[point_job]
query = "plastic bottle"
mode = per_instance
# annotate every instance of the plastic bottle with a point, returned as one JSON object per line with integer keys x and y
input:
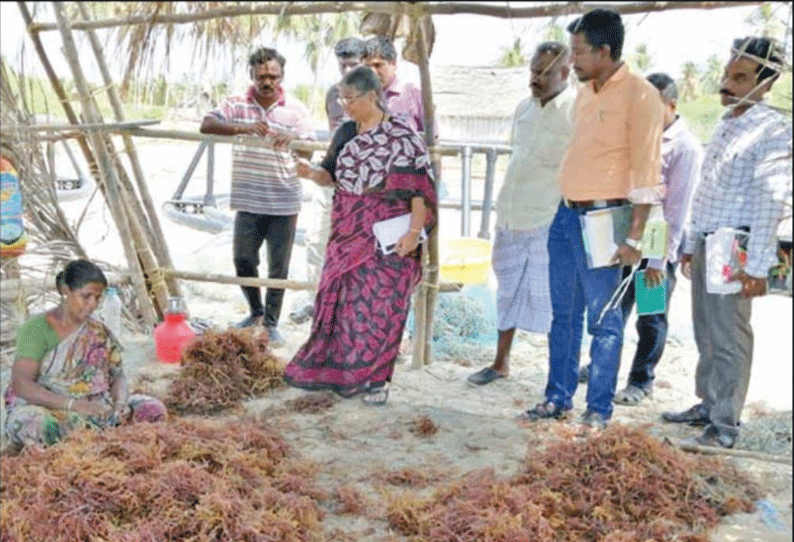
{"x": 173, "y": 334}
{"x": 110, "y": 313}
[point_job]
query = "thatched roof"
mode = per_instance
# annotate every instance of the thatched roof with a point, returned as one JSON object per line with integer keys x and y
{"x": 478, "y": 91}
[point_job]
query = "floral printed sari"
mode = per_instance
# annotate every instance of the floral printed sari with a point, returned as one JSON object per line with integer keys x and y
{"x": 83, "y": 366}
{"x": 364, "y": 296}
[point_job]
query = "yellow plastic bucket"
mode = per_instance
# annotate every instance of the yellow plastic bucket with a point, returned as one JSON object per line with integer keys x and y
{"x": 465, "y": 259}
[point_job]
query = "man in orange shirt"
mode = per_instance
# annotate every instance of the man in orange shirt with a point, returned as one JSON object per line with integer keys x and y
{"x": 613, "y": 159}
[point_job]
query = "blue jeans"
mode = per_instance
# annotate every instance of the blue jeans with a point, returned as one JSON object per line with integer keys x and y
{"x": 651, "y": 333}
{"x": 574, "y": 287}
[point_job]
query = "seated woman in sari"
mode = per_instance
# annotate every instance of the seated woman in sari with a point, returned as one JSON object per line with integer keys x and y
{"x": 67, "y": 373}
{"x": 380, "y": 169}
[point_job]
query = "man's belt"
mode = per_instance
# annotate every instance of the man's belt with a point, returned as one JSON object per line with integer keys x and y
{"x": 585, "y": 205}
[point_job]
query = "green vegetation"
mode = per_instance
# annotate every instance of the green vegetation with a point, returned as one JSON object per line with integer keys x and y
{"x": 703, "y": 113}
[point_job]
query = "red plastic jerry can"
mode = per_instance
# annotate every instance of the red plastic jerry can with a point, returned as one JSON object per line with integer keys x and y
{"x": 173, "y": 334}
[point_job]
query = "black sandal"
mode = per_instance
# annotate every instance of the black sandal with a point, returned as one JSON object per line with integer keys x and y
{"x": 543, "y": 411}
{"x": 376, "y": 396}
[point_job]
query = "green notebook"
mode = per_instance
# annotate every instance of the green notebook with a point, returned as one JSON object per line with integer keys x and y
{"x": 649, "y": 300}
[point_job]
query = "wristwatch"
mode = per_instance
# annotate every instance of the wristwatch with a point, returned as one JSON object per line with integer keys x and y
{"x": 636, "y": 244}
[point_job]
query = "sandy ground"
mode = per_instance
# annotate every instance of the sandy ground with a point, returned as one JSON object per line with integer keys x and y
{"x": 352, "y": 443}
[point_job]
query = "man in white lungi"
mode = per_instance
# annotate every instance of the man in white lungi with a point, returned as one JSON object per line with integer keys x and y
{"x": 527, "y": 201}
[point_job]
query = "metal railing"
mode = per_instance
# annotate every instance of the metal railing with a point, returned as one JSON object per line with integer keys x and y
{"x": 466, "y": 204}
{"x": 466, "y": 151}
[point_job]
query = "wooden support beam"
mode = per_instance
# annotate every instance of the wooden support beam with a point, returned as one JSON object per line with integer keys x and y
{"x": 83, "y": 127}
{"x": 504, "y": 10}
{"x": 430, "y": 286}
{"x": 287, "y": 284}
{"x": 145, "y": 208}
{"x": 108, "y": 173}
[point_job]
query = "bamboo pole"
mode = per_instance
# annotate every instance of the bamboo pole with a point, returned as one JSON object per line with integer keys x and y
{"x": 108, "y": 174}
{"x": 748, "y": 454}
{"x": 152, "y": 222}
{"x": 112, "y": 126}
{"x": 286, "y": 284}
{"x": 395, "y": 8}
{"x": 423, "y": 348}
{"x": 58, "y": 88}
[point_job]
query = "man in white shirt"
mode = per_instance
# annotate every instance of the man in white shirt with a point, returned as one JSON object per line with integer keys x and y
{"x": 745, "y": 185}
{"x": 527, "y": 201}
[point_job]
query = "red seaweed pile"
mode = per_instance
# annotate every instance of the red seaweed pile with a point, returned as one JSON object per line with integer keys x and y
{"x": 188, "y": 480}
{"x": 619, "y": 486}
{"x": 221, "y": 369}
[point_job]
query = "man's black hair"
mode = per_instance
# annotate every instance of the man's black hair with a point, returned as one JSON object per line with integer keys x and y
{"x": 601, "y": 27}
{"x": 266, "y": 54}
{"x": 380, "y": 46}
{"x": 767, "y": 52}
{"x": 665, "y": 85}
{"x": 349, "y": 48}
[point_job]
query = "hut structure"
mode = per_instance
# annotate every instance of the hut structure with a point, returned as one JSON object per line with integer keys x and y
{"x": 458, "y": 92}
{"x": 150, "y": 276}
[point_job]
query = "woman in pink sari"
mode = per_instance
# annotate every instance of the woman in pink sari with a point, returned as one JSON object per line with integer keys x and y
{"x": 67, "y": 373}
{"x": 380, "y": 169}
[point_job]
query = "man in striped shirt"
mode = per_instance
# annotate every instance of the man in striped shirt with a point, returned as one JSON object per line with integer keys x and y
{"x": 265, "y": 189}
{"x": 745, "y": 185}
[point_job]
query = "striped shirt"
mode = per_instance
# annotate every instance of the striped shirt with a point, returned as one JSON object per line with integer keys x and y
{"x": 264, "y": 180}
{"x": 746, "y": 181}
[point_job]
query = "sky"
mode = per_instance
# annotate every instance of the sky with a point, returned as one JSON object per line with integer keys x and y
{"x": 672, "y": 37}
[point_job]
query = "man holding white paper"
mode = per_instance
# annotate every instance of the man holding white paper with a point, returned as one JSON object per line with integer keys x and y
{"x": 613, "y": 160}
{"x": 682, "y": 156}
{"x": 745, "y": 185}
{"x": 542, "y": 127}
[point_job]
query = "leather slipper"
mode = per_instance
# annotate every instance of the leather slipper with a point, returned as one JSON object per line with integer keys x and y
{"x": 484, "y": 376}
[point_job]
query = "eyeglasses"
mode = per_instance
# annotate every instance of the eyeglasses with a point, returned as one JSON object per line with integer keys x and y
{"x": 347, "y": 101}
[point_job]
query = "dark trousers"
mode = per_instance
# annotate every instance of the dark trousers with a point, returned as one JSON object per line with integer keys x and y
{"x": 250, "y": 232}
{"x": 651, "y": 332}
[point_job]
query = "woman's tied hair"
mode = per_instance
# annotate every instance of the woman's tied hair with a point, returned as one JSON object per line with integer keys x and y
{"x": 768, "y": 52}
{"x": 364, "y": 80}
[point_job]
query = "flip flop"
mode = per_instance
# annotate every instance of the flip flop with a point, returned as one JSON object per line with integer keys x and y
{"x": 631, "y": 396}
{"x": 376, "y": 396}
{"x": 484, "y": 376}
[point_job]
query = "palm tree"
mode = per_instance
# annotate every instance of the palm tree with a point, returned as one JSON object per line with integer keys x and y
{"x": 513, "y": 56}
{"x": 766, "y": 21}
{"x": 689, "y": 82}
{"x": 554, "y": 32}
{"x": 641, "y": 59}
{"x": 320, "y": 32}
{"x": 139, "y": 43}
{"x": 712, "y": 75}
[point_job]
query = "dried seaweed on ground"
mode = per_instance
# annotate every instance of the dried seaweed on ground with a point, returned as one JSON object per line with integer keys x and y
{"x": 311, "y": 403}
{"x": 619, "y": 486}
{"x": 187, "y": 480}
{"x": 424, "y": 427}
{"x": 350, "y": 500}
{"x": 221, "y": 369}
{"x": 410, "y": 477}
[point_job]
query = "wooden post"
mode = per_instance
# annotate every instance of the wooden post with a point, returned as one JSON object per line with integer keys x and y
{"x": 108, "y": 173}
{"x": 428, "y": 293}
{"x": 160, "y": 247}
{"x": 58, "y": 88}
